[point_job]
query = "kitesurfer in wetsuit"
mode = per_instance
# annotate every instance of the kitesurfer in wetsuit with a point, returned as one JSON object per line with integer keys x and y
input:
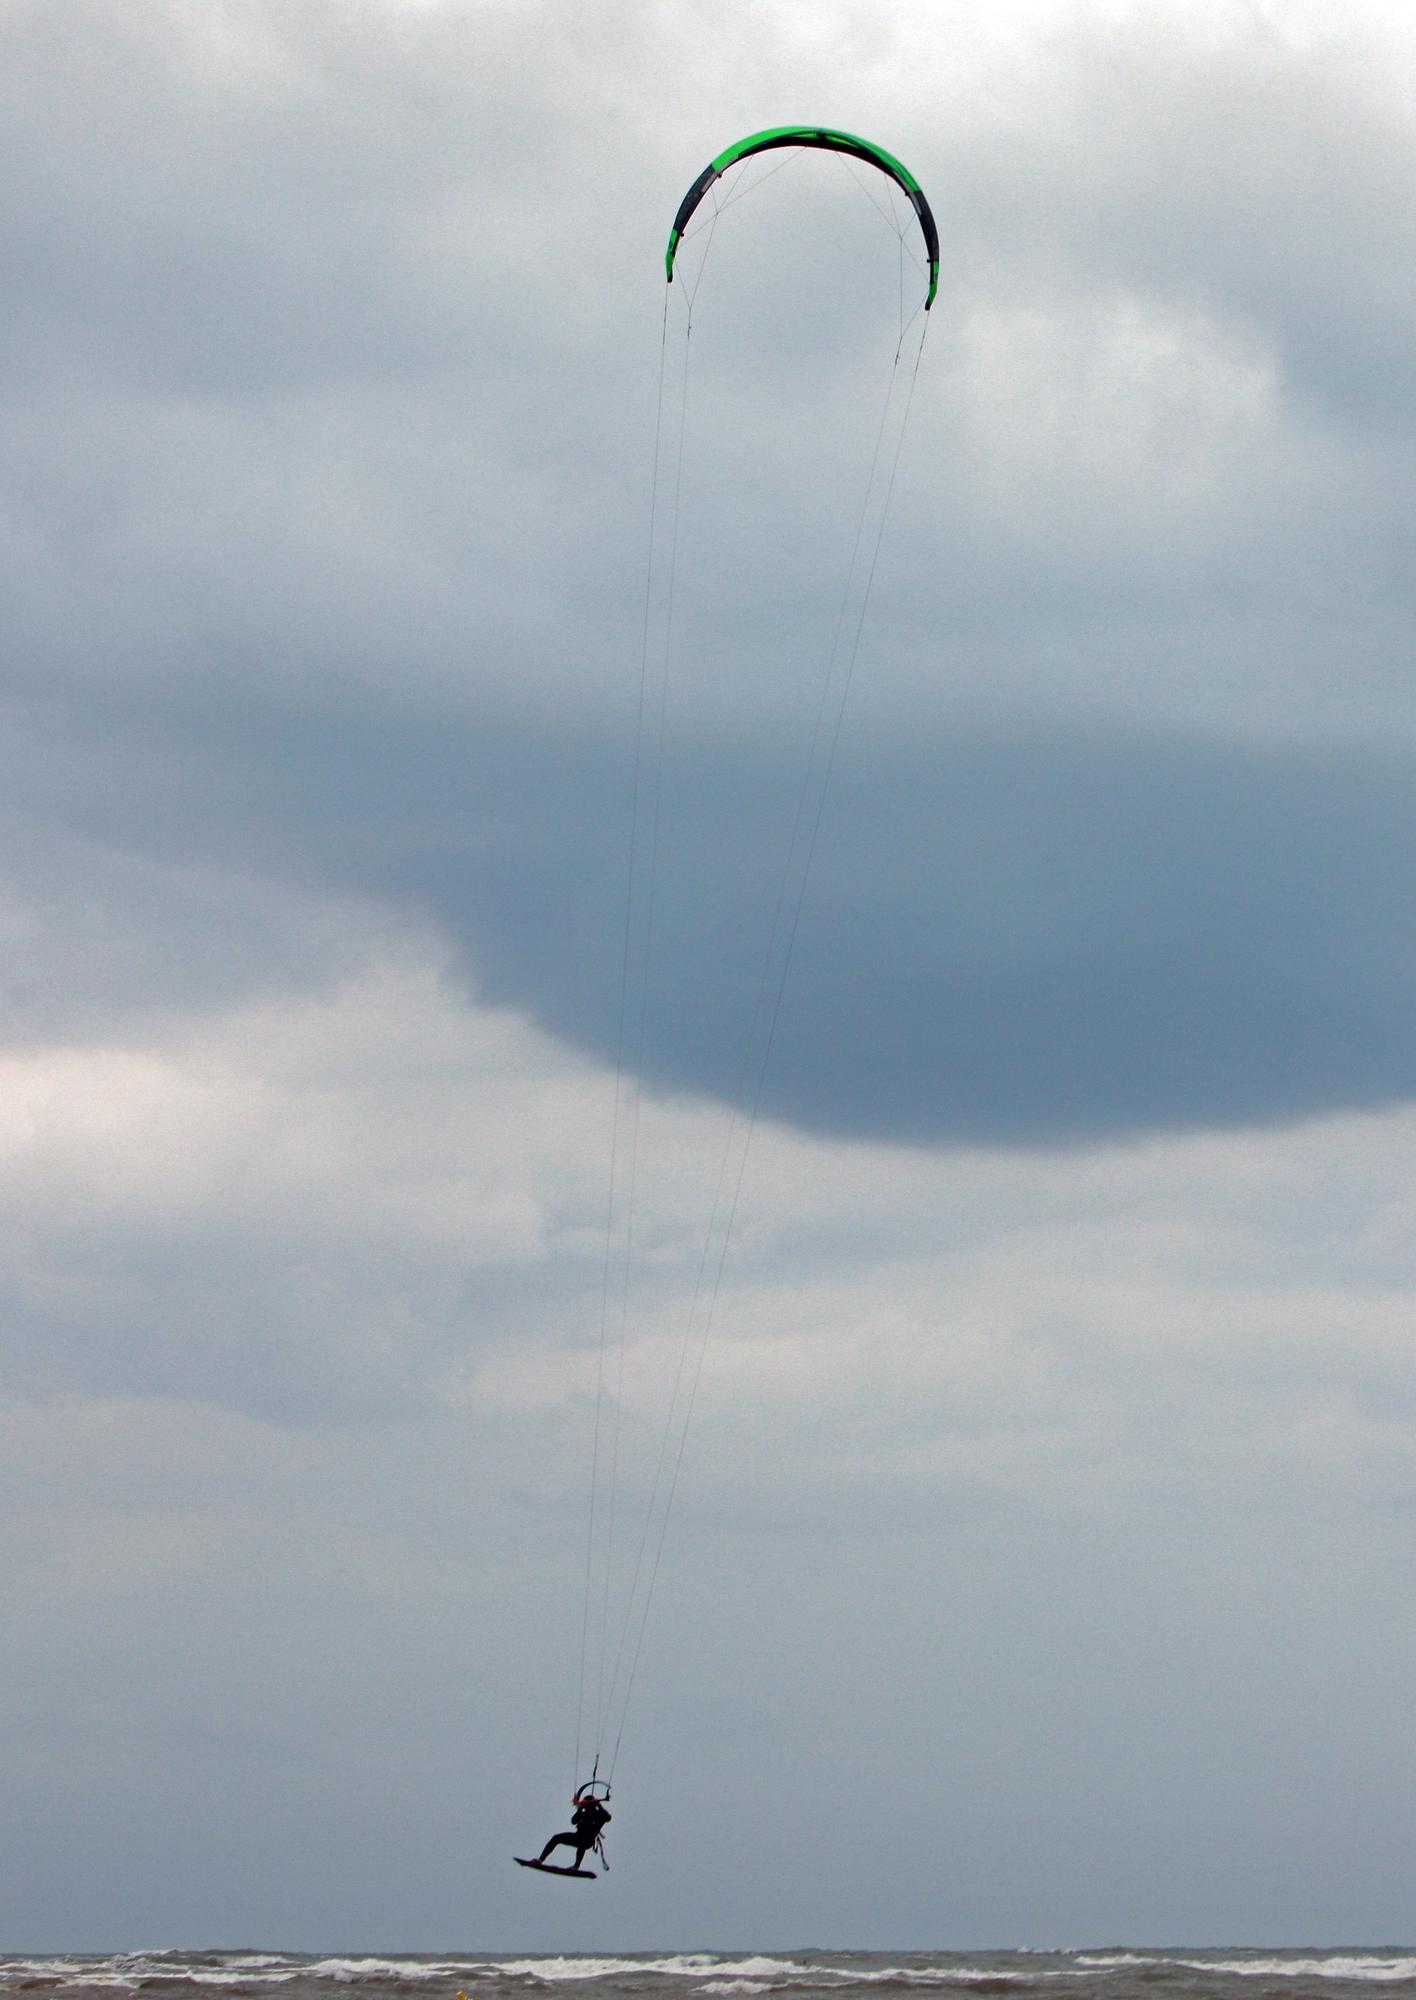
{"x": 589, "y": 1821}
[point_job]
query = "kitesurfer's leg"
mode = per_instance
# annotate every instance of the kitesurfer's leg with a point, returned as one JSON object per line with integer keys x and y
{"x": 562, "y": 1840}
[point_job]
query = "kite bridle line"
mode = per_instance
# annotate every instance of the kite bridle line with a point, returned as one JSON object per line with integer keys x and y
{"x": 654, "y": 668}
{"x": 791, "y": 895}
{"x": 618, "y": 1112}
{"x": 614, "y": 1693}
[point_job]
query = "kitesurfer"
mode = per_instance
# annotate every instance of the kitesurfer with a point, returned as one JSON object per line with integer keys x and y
{"x": 588, "y": 1822}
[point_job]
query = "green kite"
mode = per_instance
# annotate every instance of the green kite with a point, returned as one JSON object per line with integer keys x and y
{"x": 829, "y": 141}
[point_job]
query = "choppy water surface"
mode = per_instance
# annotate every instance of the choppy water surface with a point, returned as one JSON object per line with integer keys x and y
{"x": 806, "y": 1975}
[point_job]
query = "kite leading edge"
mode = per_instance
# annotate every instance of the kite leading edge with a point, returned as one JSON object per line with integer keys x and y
{"x": 828, "y": 140}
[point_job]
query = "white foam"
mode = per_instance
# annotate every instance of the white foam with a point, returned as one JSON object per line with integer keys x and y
{"x": 345, "y": 1970}
{"x": 1338, "y": 1966}
{"x": 569, "y": 1968}
{"x": 51, "y": 1967}
{"x": 233, "y": 1977}
{"x": 766, "y": 1968}
{"x": 130, "y": 1972}
{"x": 757, "y": 1974}
{"x": 955, "y": 1974}
{"x": 1335, "y": 1965}
{"x": 938, "y": 1975}
{"x": 684, "y": 1965}
{"x": 229, "y": 1975}
{"x": 133, "y": 1974}
{"x": 127, "y": 1972}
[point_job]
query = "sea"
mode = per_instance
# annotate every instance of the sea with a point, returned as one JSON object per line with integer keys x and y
{"x": 1117, "y": 1974}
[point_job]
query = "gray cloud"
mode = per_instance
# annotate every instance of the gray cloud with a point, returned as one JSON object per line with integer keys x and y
{"x": 1045, "y": 937}
{"x": 1020, "y": 941}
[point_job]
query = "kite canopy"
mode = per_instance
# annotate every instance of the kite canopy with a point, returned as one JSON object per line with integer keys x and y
{"x": 828, "y": 141}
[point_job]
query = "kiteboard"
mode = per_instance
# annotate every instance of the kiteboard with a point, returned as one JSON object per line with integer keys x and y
{"x": 549, "y": 1868}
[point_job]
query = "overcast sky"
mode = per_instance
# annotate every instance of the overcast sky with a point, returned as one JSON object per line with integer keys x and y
{"x": 1041, "y": 1570}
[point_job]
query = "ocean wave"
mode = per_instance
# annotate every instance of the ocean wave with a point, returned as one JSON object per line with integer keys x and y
{"x": 1337, "y": 1966}
{"x": 756, "y": 1974}
{"x": 250, "y": 1972}
{"x": 814, "y": 1975}
{"x": 344, "y": 1971}
{"x": 683, "y": 1965}
{"x": 992, "y": 1978}
{"x": 131, "y": 1971}
{"x": 140, "y": 1971}
{"x": 273, "y": 1973}
{"x": 49, "y": 1967}
{"x": 1371, "y": 1966}
{"x": 759, "y": 1974}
